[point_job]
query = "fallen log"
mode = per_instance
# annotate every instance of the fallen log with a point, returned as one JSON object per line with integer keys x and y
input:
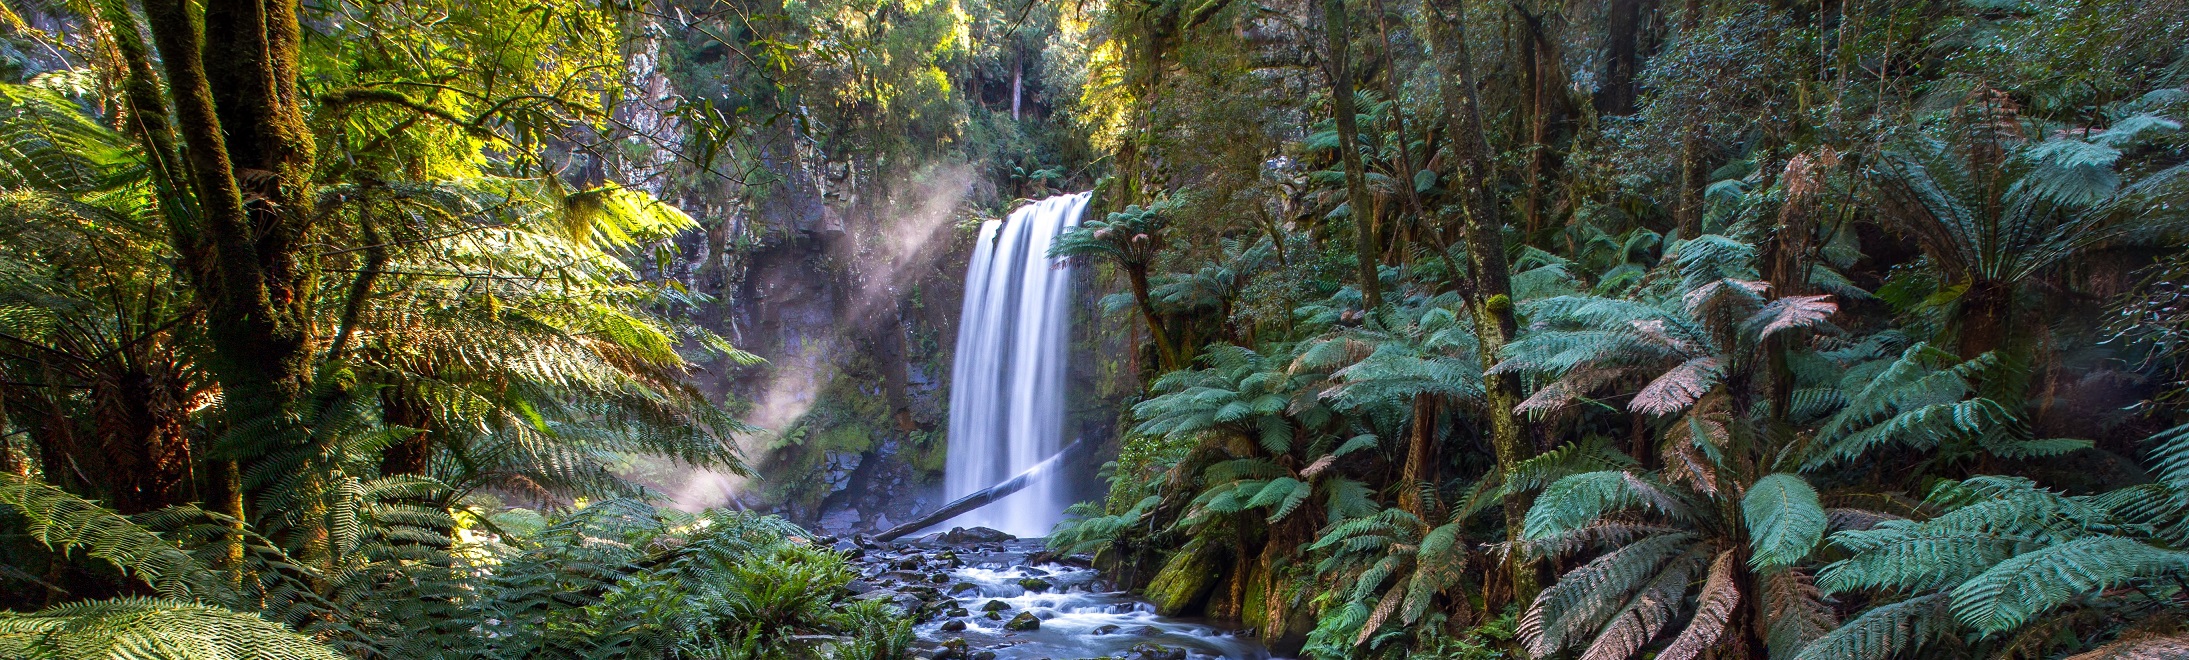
{"x": 979, "y": 498}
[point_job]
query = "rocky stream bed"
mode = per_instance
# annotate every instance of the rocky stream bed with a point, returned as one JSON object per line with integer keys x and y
{"x": 980, "y": 594}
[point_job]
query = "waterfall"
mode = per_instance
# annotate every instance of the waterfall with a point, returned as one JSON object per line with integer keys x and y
{"x": 1007, "y": 382}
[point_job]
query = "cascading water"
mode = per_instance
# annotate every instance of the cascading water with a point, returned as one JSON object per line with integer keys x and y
{"x": 1007, "y": 382}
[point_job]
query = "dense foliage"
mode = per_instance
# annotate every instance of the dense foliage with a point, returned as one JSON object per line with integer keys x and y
{"x": 1695, "y": 329}
{"x": 299, "y": 303}
{"x": 1607, "y": 330}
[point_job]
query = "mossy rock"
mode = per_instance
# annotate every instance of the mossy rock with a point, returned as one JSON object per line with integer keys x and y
{"x": 1184, "y": 581}
{"x": 1023, "y": 622}
{"x": 1034, "y": 584}
{"x": 995, "y": 606}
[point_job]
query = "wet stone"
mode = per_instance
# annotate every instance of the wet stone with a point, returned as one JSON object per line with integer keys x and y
{"x": 953, "y": 625}
{"x": 995, "y": 606}
{"x": 1034, "y": 584}
{"x": 1023, "y": 622}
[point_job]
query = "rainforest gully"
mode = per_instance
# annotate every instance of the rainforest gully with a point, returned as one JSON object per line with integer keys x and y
{"x": 1079, "y": 329}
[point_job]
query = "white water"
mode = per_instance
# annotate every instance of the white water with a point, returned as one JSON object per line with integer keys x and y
{"x": 1007, "y": 382}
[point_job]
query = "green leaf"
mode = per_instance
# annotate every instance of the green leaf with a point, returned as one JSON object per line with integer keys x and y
{"x": 1785, "y": 521}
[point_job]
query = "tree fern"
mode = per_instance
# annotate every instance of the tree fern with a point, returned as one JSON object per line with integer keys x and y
{"x": 150, "y": 629}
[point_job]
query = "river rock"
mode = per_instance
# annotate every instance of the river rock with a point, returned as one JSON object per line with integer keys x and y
{"x": 961, "y": 535}
{"x": 1023, "y": 622}
{"x": 1106, "y": 629}
{"x": 953, "y": 625}
{"x": 1155, "y": 652}
{"x": 995, "y": 606}
{"x": 951, "y": 649}
{"x": 1034, "y": 584}
{"x": 983, "y": 655}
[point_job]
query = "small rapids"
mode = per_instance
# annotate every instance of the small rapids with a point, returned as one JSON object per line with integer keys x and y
{"x": 984, "y": 587}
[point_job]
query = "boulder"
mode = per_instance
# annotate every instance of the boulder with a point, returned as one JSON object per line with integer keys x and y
{"x": 1154, "y": 652}
{"x": 1184, "y": 581}
{"x": 953, "y": 625}
{"x": 1023, "y": 622}
{"x": 1034, "y": 584}
{"x": 995, "y": 606}
{"x": 976, "y": 535}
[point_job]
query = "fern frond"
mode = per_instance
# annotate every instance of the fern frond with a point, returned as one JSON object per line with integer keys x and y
{"x": 2030, "y": 584}
{"x": 64, "y": 522}
{"x": 1785, "y": 520}
{"x": 150, "y": 629}
{"x": 1713, "y": 609}
{"x": 1884, "y": 632}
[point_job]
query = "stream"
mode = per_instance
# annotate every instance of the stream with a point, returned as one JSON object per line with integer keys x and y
{"x": 981, "y": 595}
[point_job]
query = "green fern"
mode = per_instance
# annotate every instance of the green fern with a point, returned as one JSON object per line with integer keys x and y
{"x": 150, "y": 629}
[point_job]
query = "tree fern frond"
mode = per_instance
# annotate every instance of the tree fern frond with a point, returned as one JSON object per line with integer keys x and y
{"x": 1585, "y": 597}
{"x": 2030, "y": 584}
{"x": 1646, "y": 614}
{"x": 150, "y": 629}
{"x": 1785, "y": 520}
{"x": 1713, "y": 609}
{"x": 65, "y": 522}
{"x": 1884, "y": 632}
{"x": 1794, "y": 611}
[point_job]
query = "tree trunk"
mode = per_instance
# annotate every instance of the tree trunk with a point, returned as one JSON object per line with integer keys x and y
{"x": 1491, "y": 298}
{"x": 1366, "y": 242}
{"x": 1984, "y": 318}
{"x": 138, "y": 418}
{"x": 243, "y": 262}
{"x": 414, "y": 454}
{"x": 1164, "y": 351}
{"x": 1688, "y": 209}
{"x": 1622, "y": 56}
{"x": 1420, "y": 472}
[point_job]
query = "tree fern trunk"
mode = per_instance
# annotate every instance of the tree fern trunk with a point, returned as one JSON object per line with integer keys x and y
{"x": 1421, "y": 459}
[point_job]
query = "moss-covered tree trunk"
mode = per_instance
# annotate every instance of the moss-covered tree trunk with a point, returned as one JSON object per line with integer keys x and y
{"x": 1367, "y": 244}
{"x": 241, "y": 126}
{"x": 1490, "y": 298}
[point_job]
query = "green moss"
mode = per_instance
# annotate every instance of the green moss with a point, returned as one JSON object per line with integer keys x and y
{"x": 1185, "y": 579}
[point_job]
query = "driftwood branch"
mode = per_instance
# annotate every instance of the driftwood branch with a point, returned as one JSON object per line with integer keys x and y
{"x": 981, "y": 497}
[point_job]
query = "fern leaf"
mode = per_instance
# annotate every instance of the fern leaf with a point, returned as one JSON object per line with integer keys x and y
{"x": 1720, "y": 596}
{"x": 1785, "y": 520}
{"x": 63, "y": 521}
{"x": 151, "y": 629}
{"x": 2030, "y": 584}
{"x": 1884, "y": 632}
{"x": 1795, "y": 611}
